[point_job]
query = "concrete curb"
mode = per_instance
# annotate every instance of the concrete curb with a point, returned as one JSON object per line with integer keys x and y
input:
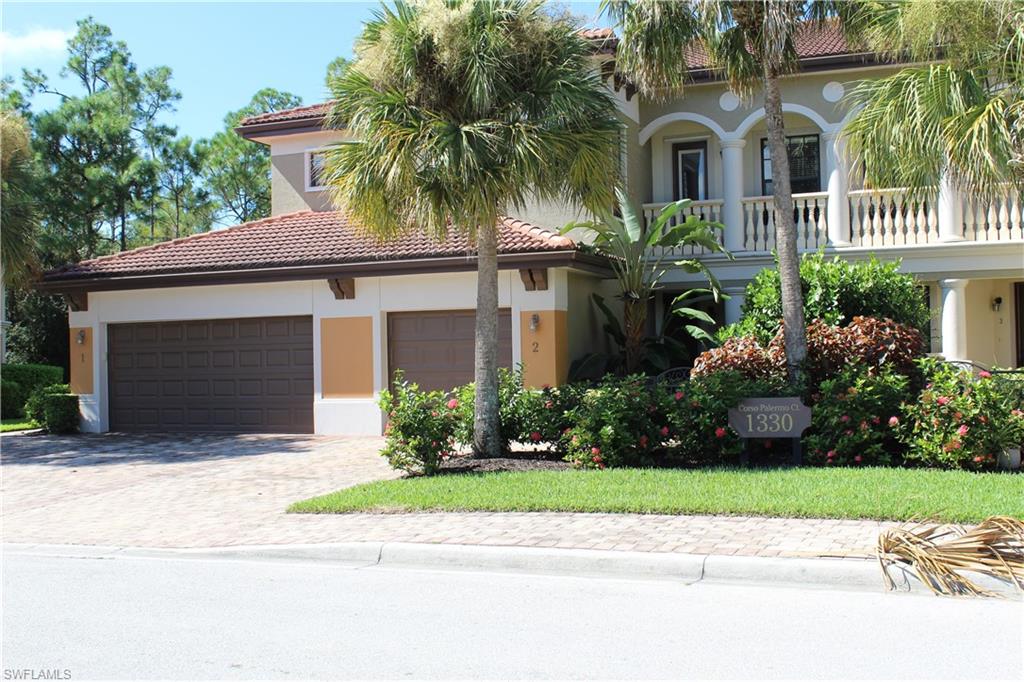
{"x": 846, "y": 574}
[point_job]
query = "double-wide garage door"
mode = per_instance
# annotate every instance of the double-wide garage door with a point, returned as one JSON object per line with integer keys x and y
{"x": 435, "y": 349}
{"x": 238, "y": 375}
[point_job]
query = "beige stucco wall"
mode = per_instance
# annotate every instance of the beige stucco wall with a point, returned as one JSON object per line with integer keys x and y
{"x": 991, "y": 335}
{"x": 288, "y": 186}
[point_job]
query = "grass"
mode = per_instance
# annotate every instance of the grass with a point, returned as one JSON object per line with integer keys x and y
{"x": 17, "y": 424}
{"x": 868, "y": 493}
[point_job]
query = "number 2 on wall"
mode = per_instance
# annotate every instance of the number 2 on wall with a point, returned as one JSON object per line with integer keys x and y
{"x": 536, "y": 346}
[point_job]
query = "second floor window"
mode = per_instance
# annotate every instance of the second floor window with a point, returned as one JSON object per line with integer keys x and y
{"x": 804, "y": 164}
{"x": 315, "y": 171}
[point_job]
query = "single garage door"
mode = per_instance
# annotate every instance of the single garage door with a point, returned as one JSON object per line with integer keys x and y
{"x": 435, "y": 349}
{"x": 244, "y": 375}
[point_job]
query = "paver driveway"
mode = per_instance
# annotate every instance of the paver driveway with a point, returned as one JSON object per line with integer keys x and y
{"x": 173, "y": 490}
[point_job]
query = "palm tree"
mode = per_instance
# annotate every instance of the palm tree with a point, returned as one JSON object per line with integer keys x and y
{"x": 961, "y": 116}
{"x": 751, "y": 45}
{"x": 18, "y": 216}
{"x": 463, "y": 111}
{"x": 637, "y": 253}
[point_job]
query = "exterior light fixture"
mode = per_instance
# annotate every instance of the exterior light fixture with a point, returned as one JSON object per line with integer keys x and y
{"x": 534, "y": 322}
{"x": 997, "y": 303}
{"x": 80, "y": 337}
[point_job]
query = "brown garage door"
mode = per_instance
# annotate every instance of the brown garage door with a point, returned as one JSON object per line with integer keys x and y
{"x": 435, "y": 348}
{"x": 253, "y": 374}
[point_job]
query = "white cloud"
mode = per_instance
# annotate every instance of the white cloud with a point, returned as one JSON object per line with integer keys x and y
{"x": 39, "y": 42}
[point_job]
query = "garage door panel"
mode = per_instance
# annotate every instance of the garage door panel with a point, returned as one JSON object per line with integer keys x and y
{"x": 435, "y": 349}
{"x": 220, "y": 375}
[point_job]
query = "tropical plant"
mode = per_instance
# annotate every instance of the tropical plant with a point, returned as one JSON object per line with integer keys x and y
{"x": 960, "y": 114}
{"x": 751, "y": 45}
{"x": 19, "y": 215}
{"x": 637, "y": 253}
{"x": 461, "y": 111}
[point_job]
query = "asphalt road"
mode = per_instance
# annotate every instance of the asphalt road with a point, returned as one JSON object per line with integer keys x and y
{"x": 219, "y": 618}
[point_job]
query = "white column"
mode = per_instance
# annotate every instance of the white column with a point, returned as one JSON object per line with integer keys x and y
{"x": 838, "y": 214}
{"x": 954, "y": 319}
{"x": 732, "y": 193}
{"x": 950, "y": 212}
{"x": 734, "y": 304}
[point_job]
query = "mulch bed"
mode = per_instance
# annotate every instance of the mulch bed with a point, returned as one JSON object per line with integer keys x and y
{"x": 525, "y": 460}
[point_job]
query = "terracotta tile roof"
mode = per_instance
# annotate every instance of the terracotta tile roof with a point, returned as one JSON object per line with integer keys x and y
{"x": 310, "y": 111}
{"x": 303, "y": 238}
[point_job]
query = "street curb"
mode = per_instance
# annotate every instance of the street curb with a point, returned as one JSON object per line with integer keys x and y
{"x": 829, "y": 573}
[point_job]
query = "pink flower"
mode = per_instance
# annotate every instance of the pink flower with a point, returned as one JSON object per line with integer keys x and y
{"x": 643, "y": 441}
{"x": 595, "y": 451}
{"x": 1017, "y": 413}
{"x": 978, "y": 460}
{"x": 942, "y": 400}
{"x": 535, "y": 436}
{"x": 830, "y": 454}
{"x": 433, "y": 413}
{"x": 858, "y": 459}
{"x": 876, "y": 420}
{"x": 548, "y": 405}
{"x": 679, "y": 395}
{"x": 845, "y": 418}
{"x": 849, "y": 432}
{"x": 664, "y": 430}
{"x": 452, "y": 404}
{"x": 863, "y": 426}
{"x": 719, "y": 432}
{"x": 894, "y": 421}
{"x": 984, "y": 375}
{"x": 962, "y": 430}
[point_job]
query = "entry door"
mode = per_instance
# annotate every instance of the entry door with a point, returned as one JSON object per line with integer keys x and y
{"x": 691, "y": 170}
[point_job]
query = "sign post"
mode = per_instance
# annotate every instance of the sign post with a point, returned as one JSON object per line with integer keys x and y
{"x": 771, "y": 418}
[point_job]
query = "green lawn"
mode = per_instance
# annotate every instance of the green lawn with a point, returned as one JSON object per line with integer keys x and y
{"x": 872, "y": 493}
{"x": 16, "y": 424}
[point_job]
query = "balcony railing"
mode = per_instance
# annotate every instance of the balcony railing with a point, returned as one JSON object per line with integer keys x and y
{"x": 877, "y": 218}
{"x": 708, "y": 210}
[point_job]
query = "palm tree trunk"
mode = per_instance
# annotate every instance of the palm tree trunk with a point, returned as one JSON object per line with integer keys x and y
{"x": 486, "y": 427}
{"x": 634, "y": 317}
{"x": 794, "y": 332}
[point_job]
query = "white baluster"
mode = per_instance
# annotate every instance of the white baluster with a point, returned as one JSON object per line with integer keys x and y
{"x": 855, "y": 219}
{"x": 980, "y": 228}
{"x": 1004, "y": 217}
{"x": 1016, "y": 229}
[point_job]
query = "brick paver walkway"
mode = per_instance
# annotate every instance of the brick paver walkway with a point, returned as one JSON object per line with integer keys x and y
{"x": 209, "y": 491}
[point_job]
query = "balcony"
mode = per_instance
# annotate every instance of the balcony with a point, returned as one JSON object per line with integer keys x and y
{"x": 865, "y": 219}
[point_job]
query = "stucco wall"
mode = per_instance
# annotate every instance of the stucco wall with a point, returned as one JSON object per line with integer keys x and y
{"x": 991, "y": 335}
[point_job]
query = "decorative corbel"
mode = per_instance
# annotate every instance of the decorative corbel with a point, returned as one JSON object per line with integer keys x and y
{"x": 343, "y": 287}
{"x": 535, "y": 279}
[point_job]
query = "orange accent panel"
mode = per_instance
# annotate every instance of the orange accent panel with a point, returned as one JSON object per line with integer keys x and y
{"x": 545, "y": 350}
{"x": 81, "y": 361}
{"x": 346, "y": 355}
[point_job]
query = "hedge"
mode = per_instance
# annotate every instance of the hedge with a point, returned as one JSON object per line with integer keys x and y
{"x": 28, "y": 379}
{"x": 60, "y": 412}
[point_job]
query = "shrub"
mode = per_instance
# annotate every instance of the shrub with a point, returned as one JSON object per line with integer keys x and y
{"x": 20, "y": 380}
{"x": 865, "y": 341}
{"x": 511, "y": 399}
{"x": 420, "y": 432}
{"x": 960, "y": 421}
{"x": 60, "y": 412}
{"x": 619, "y": 422}
{"x": 699, "y": 416}
{"x": 12, "y": 399}
{"x": 34, "y": 404}
{"x": 835, "y": 291}
{"x": 851, "y": 420}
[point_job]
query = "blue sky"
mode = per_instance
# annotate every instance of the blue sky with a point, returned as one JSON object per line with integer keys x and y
{"x": 220, "y": 53}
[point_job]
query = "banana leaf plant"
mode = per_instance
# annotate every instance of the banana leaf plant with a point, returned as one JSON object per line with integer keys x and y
{"x": 640, "y": 254}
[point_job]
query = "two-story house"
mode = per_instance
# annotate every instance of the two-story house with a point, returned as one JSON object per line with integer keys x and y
{"x": 296, "y": 322}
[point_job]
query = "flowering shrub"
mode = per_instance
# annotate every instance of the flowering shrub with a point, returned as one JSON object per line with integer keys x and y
{"x": 619, "y": 422}
{"x": 960, "y": 421}
{"x": 699, "y": 417}
{"x": 743, "y": 355}
{"x": 420, "y": 432}
{"x": 853, "y": 418}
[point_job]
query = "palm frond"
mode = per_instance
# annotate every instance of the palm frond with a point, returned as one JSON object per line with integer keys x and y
{"x": 940, "y": 555}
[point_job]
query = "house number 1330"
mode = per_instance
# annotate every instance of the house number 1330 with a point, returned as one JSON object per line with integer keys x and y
{"x": 769, "y": 423}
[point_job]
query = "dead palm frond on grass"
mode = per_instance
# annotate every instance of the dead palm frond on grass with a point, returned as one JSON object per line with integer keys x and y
{"x": 940, "y": 554}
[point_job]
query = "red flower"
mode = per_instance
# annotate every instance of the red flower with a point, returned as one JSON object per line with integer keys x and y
{"x": 679, "y": 395}
{"x": 596, "y": 459}
{"x": 962, "y": 430}
{"x": 452, "y": 404}
{"x": 894, "y": 421}
{"x": 984, "y": 375}
{"x": 876, "y": 420}
{"x": 549, "y": 404}
{"x": 942, "y": 400}
{"x": 535, "y": 436}
{"x": 664, "y": 430}
{"x": 830, "y": 454}
{"x": 719, "y": 432}
{"x": 643, "y": 441}
{"x": 858, "y": 459}
{"x": 600, "y": 465}
{"x": 595, "y": 451}
{"x": 845, "y": 418}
